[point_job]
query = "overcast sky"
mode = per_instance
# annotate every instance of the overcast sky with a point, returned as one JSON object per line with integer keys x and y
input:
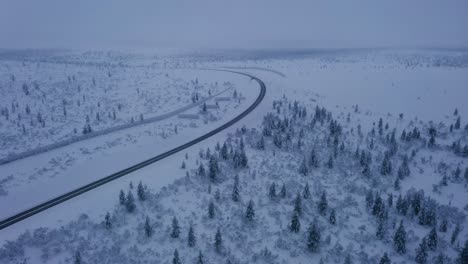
{"x": 232, "y": 24}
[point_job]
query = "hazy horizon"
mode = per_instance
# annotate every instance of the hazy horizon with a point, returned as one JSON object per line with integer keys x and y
{"x": 232, "y": 25}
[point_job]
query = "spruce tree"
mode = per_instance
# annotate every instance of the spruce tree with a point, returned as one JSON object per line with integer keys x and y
{"x": 313, "y": 159}
{"x": 332, "y": 218}
{"x": 176, "y": 258}
{"x": 250, "y": 212}
{"x": 141, "y": 192}
{"x": 148, "y": 228}
{"x": 385, "y": 259}
{"x": 439, "y": 259}
{"x": 323, "y": 203}
{"x": 330, "y": 162}
{"x": 399, "y": 240}
{"x": 282, "y": 193}
{"x": 272, "y": 191}
{"x": 122, "y": 197}
{"x": 200, "y": 258}
{"x": 201, "y": 170}
{"x": 191, "y": 238}
{"x": 464, "y": 254}
{"x": 77, "y": 257}
{"x": 303, "y": 170}
{"x": 130, "y": 202}
{"x": 175, "y": 230}
{"x": 313, "y": 238}
{"x": 432, "y": 239}
{"x": 455, "y": 233}
{"x": 421, "y": 252}
{"x": 306, "y": 193}
{"x": 224, "y": 151}
{"x": 108, "y": 221}
{"x": 214, "y": 169}
{"x": 381, "y": 229}
{"x": 295, "y": 223}
{"x": 369, "y": 199}
{"x": 218, "y": 241}
{"x": 235, "y": 189}
{"x": 298, "y": 205}
{"x": 211, "y": 210}
{"x": 386, "y": 167}
{"x": 443, "y": 226}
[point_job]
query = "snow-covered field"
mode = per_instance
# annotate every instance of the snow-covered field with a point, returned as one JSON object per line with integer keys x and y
{"x": 347, "y": 149}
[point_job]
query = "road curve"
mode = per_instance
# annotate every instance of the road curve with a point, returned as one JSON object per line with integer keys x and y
{"x": 67, "y": 196}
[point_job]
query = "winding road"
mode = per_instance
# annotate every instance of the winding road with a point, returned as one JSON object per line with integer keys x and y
{"x": 67, "y": 196}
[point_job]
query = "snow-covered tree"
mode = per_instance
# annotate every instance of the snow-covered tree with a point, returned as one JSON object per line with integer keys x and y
{"x": 191, "y": 238}
{"x": 323, "y": 203}
{"x": 141, "y": 192}
{"x": 176, "y": 258}
{"x": 148, "y": 228}
{"x": 332, "y": 218}
{"x": 432, "y": 239}
{"x": 77, "y": 259}
{"x": 399, "y": 240}
{"x": 295, "y": 225}
{"x": 421, "y": 252}
{"x": 272, "y": 191}
{"x": 175, "y": 228}
{"x": 283, "y": 193}
{"x": 211, "y": 210}
{"x": 107, "y": 221}
{"x": 385, "y": 259}
{"x": 122, "y": 197}
{"x": 130, "y": 202}
{"x": 386, "y": 167}
{"x": 250, "y": 212}
{"x": 298, "y": 205}
{"x": 306, "y": 192}
{"x": 218, "y": 241}
{"x": 313, "y": 238}
{"x": 235, "y": 189}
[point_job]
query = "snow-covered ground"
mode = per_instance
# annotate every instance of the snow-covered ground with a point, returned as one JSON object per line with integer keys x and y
{"x": 407, "y": 89}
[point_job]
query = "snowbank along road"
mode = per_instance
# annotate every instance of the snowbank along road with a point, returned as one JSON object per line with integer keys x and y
{"x": 48, "y": 204}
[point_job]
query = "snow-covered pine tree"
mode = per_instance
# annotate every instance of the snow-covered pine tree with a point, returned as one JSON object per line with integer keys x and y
{"x": 295, "y": 223}
{"x": 141, "y": 192}
{"x": 77, "y": 257}
{"x": 303, "y": 170}
{"x": 332, "y": 218}
{"x": 283, "y": 193}
{"x": 235, "y": 189}
{"x": 107, "y": 221}
{"x": 313, "y": 238}
{"x": 306, "y": 192}
{"x": 191, "y": 238}
{"x": 130, "y": 202}
{"x": 298, "y": 204}
{"x": 421, "y": 252}
{"x": 399, "y": 240}
{"x": 213, "y": 169}
{"x": 250, "y": 212}
{"x": 455, "y": 233}
{"x": 122, "y": 197}
{"x": 432, "y": 239}
{"x": 272, "y": 191}
{"x": 211, "y": 210}
{"x": 175, "y": 228}
{"x": 148, "y": 228}
{"x": 176, "y": 258}
{"x": 386, "y": 167}
{"x": 381, "y": 230}
{"x": 323, "y": 203}
{"x": 385, "y": 259}
{"x": 200, "y": 258}
{"x": 313, "y": 159}
{"x": 218, "y": 241}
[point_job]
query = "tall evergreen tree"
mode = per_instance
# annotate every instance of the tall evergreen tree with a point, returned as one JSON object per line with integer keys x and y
{"x": 386, "y": 167}
{"x": 295, "y": 223}
{"x": 130, "y": 202}
{"x": 175, "y": 230}
{"x": 332, "y": 218}
{"x": 455, "y": 233}
{"x": 191, "y": 238}
{"x": 148, "y": 228}
{"x": 381, "y": 230}
{"x": 218, "y": 241}
{"x": 141, "y": 192}
{"x": 306, "y": 193}
{"x": 235, "y": 189}
{"x": 421, "y": 252}
{"x": 200, "y": 258}
{"x": 211, "y": 210}
{"x": 214, "y": 169}
{"x": 77, "y": 257}
{"x": 313, "y": 159}
{"x": 313, "y": 238}
{"x": 298, "y": 205}
{"x": 464, "y": 254}
{"x": 250, "y": 212}
{"x": 122, "y": 197}
{"x": 385, "y": 259}
{"x": 432, "y": 239}
{"x": 107, "y": 221}
{"x": 201, "y": 170}
{"x": 303, "y": 170}
{"x": 176, "y": 258}
{"x": 330, "y": 162}
{"x": 399, "y": 240}
{"x": 323, "y": 203}
{"x": 283, "y": 193}
{"x": 272, "y": 191}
